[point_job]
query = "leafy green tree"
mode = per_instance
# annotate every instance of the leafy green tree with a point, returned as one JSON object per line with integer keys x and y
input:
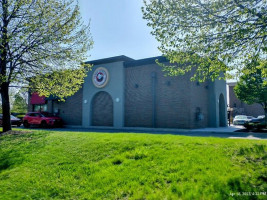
{"x": 204, "y": 68}
{"x": 231, "y": 31}
{"x": 19, "y": 104}
{"x": 39, "y": 37}
{"x": 252, "y": 85}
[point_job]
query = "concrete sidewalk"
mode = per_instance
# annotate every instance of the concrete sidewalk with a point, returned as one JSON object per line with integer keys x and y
{"x": 222, "y": 132}
{"x": 227, "y": 129}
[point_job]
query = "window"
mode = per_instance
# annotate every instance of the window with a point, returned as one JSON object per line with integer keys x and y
{"x": 40, "y": 108}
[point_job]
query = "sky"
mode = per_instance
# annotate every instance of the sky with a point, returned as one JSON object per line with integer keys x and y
{"x": 118, "y": 29}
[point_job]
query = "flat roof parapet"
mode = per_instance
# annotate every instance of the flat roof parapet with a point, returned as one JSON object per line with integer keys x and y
{"x": 145, "y": 61}
{"x": 110, "y": 60}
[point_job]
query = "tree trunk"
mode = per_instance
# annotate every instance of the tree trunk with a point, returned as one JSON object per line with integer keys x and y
{"x": 265, "y": 112}
{"x": 3, "y": 66}
{"x": 5, "y": 107}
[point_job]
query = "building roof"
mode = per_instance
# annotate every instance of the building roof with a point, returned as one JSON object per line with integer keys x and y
{"x": 145, "y": 61}
{"x": 110, "y": 60}
{"x": 128, "y": 62}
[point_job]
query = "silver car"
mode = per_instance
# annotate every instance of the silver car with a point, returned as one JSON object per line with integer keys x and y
{"x": 241, "y": 119}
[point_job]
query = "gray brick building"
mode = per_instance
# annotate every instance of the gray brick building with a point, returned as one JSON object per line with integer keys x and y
{"x": 123, "y": 92}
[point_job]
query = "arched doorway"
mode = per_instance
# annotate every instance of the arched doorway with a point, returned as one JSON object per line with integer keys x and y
{"x": 102, "y": 110}
{"x": 222, "y": 111}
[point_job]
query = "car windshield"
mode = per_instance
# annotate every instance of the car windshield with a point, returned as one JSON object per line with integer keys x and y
{"x": 46, "y": 114}
{"x": 13, "y": 117}
{"x": 240, "y": 117}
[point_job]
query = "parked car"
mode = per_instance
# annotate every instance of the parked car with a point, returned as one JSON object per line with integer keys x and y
{"x": 241, "y": 119}
{"x": 261, "y": 116}
{"x": 43, "y": 119}
{"x": 14, "y": 120}
{"x": 256, "y": 123}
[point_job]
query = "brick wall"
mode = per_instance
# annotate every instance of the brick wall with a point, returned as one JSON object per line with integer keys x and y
{"x": 241, "y": 107}
{"x": 138, "y": 97}
{"x": 71, "y": 110}
{"x": 173, "y": 100}
{"x": 102, "y": 110}
{"x": 199, "y": 104}
{"x": 162, "y": 101}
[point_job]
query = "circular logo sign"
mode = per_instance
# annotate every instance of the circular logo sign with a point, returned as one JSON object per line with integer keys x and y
{"x": 100, "y": 77}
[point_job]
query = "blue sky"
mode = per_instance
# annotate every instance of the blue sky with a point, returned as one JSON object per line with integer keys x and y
{"x": 117, "y": 29}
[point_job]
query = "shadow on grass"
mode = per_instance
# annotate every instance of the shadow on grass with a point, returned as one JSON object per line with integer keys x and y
{"x": 4, "y": 162}
{"x": 16, "y": 145}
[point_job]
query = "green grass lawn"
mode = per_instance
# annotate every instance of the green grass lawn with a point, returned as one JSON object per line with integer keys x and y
{"x": 76, "y": 165}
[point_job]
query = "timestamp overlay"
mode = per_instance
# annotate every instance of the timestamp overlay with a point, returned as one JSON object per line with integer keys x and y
{"x": 248, "y": 194}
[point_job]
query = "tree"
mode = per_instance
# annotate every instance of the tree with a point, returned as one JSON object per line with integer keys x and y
{"x": 252, "y": 85}
{"x": 39, "y": 37}
{"x": 227, "y": 30}
{"x": 19, "y": 104}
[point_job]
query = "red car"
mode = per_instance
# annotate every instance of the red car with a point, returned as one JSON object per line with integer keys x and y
{"x": 43, "y": 119}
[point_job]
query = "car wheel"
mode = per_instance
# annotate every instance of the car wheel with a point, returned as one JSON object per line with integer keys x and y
{"x": 248, "y": 127}
{"x": 18, "y": 125}
{"x": 258, "y": 127}
{"x": 43, "y": 124}
{"x": 26, "y": 124}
